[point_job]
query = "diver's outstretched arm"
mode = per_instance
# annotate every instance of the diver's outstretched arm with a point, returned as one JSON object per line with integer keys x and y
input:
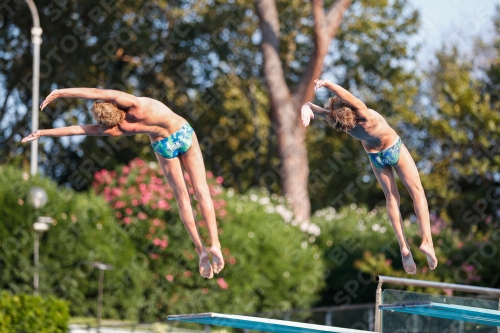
{"x": 90, "y": 130}
{"x": 308, "y": 110}
{"x": 357, "y": 104}
{"x": 123, "y": 100}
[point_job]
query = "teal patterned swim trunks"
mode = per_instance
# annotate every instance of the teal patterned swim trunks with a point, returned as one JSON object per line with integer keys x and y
{"x": 176, "y": 144}
{"x": 389, "y": 156}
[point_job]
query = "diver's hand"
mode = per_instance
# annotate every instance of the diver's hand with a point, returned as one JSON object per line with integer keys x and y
{"x": 320, "y": 83}
{"x": 33, "y": 136}
{"x": 306, "y": 114}
{"x": 55, "y": 94}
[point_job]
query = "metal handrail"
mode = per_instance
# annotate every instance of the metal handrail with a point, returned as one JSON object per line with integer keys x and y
{"x": 441, "y": 285}
{"x": 426, "y": 284}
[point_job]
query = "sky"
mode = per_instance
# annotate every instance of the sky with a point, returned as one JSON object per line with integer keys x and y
{"x": 453, "y": 20}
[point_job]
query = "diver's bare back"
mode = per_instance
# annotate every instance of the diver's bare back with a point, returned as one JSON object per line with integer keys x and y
{"x": 374, "y": 133}
{"x": 151, "y": 117}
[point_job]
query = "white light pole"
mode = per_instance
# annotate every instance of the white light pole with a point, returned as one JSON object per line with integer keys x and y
{"x": 38, "y": 198}
{"x": 41, "y": 225}
{"x": 102, "y": 267}
{"x": 36, "y": 40}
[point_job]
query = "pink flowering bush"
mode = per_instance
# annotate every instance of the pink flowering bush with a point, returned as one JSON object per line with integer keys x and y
{"x": 144, "y": 202}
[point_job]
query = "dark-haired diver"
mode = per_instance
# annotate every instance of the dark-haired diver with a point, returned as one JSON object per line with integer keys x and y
{"x": 386, "y": 151}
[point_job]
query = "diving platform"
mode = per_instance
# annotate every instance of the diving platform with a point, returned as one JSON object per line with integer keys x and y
{"x": 447, "y": 311}
{"x": 258, "y": 324}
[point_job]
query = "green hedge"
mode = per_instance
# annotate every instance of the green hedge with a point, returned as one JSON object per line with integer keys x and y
{"x": 25, "y": 313}
{"x": 85, "y": 232}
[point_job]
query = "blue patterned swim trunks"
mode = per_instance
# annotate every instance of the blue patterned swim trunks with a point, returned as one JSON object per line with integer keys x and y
{"x": 176, "y": 144}
{"x": 389, "y": 156}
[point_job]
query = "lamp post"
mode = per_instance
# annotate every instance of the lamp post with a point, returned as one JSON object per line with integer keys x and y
{"x": 36, "y": 40}
{"x": 102, "y": 267}
{"x": 41, "y": 225}
{"x": 38, "y": 198}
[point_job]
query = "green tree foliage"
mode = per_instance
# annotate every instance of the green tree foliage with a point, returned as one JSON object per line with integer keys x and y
{"x": 459, "y": 147}
{"x": 258, "y": 254}
{"x": 492, "y": 67}
{"x": 25, "y": 313}
{"x": 85, "y": 232}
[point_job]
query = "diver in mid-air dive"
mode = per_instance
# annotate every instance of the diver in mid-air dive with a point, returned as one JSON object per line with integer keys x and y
{"x": 386, "y": 151}
{"x": 174, "y": 142}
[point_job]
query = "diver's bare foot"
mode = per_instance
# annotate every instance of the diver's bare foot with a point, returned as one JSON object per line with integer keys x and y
{"x": 217, "y": 259}
{"x": 428, "y": 250}
{"x": 408, "y": 262}
{"x": 205, "y": 266}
